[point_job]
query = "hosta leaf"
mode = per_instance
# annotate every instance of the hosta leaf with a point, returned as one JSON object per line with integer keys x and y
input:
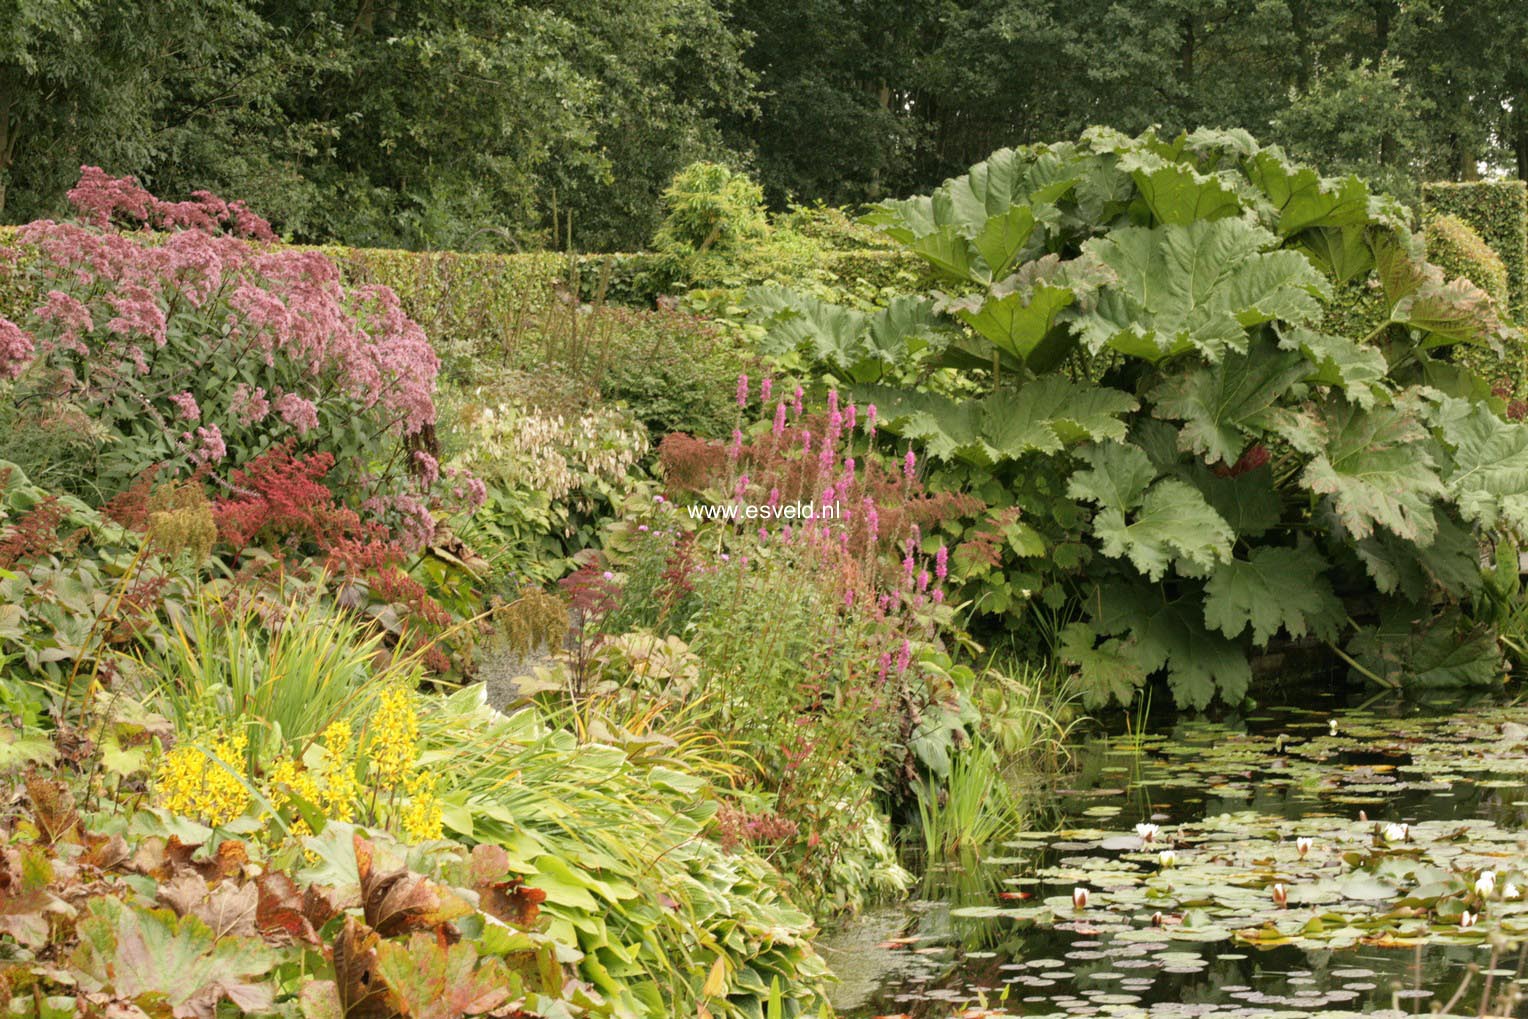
{"x": 1173, "y": 524}
{"x": 1222, "y": 405}
{"x": 1108, "y": 672}
{"x": 1196, "y": 287}
{"x": 1488, "y": 476}
{"x": 1360, "y": 370}
{"x": 1273, "y": 588}
{"x": 1303, "y": 198}
{"x": 1171, "y": 635}
{"x": 1376, "y": 466}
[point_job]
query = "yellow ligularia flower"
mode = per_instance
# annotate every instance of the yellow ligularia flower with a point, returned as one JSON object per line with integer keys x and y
{"x": 394, "y": 737}
{"x": 204, "y": 783}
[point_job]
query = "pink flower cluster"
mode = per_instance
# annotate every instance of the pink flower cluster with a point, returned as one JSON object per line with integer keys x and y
{"x": 162, "y": 317}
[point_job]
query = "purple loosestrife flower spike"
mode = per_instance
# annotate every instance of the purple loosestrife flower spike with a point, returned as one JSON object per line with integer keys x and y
{"x": 799, "y": 394}
{"x": 942, "y": 562}
{"x": 909, "y": 464}
{"x": 742, "y": 390}
{"x": 779, "y": 428}
{"x": 765, "y": 388}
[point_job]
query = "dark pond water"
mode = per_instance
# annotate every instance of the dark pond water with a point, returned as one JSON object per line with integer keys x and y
{"x": 1370, "y": 918}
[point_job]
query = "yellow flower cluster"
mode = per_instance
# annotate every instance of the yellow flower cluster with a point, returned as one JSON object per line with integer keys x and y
{"x": 421, "y": 815}
{"x": 394, "y": 737}
{"x": 206, "y": 783}
{"x": 332, "y": 788}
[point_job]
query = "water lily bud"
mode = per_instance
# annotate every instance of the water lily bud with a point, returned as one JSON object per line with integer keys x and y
{"x": 1280, "y": 895}
{"x": 1467, "y": 919}
{"x": 1147, "y": 832}
{"x": 1331, "y": 726}
{"x": 1397, "y": 832}
{"x": 1156, "y": 919}
{"x": 1303, "y": 844}
{"x": 1079, "y": 898}
{"x": 1167, "y": 857}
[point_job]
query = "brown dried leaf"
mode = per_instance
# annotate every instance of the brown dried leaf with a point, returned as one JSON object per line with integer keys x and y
{"x": 399, "y": 901}
{"x": 362, "y": 992}
{"x": 279, "y": 915}
{"x": 52, "y": 808}
{"x": 227, "y": 908}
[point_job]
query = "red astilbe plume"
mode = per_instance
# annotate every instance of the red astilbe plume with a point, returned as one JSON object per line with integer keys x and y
{"x": 280, "y": 498}
{"x": 33, "y": 535}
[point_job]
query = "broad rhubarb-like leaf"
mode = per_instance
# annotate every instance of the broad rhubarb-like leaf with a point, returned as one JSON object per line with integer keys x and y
{"x": 1196, "y": 287}
{"x": 1171, "y": 635}
{"x": 1046, "y": 416}
{"x": 1302, "y": 198}
{"x": 1410, "y": 647}
{"x": 1358, "y": 369}
{"x": 1488, "y": 473}
{"x": 1376, "y": 466}
{"x": 1273, "y": 588}
{"x": 1108, "y": 672}
{"x": 1224, "y": 406}
{"x": 858, "y": 345}
{"x": 1173, "y": 525}
{"x": 434, "y": 982}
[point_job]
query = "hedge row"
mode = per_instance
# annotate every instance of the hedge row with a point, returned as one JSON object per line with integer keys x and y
{"x": 1498, "y": 211}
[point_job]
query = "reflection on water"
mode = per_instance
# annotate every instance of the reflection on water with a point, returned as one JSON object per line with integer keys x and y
{"x": 996, "y": 936}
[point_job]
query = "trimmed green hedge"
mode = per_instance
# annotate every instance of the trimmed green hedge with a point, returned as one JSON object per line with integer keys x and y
{"x": 1498, "y": 211}
{"x": 1459, "y": 251}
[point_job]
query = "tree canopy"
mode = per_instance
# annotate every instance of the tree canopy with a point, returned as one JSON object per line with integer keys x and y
{"x": 490, "y": 124}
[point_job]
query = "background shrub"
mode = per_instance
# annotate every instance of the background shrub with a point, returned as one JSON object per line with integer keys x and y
{"x": 1498, "y": 211}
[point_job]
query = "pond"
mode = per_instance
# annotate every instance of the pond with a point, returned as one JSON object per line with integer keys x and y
{"x": 1330, "y": 859}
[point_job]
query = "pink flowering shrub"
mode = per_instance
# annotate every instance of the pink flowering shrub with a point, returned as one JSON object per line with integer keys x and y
{"x": 192, "y": 342}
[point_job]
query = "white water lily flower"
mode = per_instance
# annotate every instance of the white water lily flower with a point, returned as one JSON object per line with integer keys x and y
{"x": 1147, "y": 832}
{"x": 1331, "y": 726}
{"x": 1467, "y": 919}
{"x": 1397, "y": 832}
{"x": 1167, "y": 857}
{"x": 1079, "y": 898}
{"x": 1303, "y": 844}
{"x": 1280, "y": 894}
{"x": 1485, "y": 884}
{"x": 1510, "y": 891}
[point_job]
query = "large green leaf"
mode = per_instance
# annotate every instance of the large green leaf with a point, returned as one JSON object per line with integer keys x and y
{"x": 1451, "y": 562}
{"x": 1273, "y": 588}
{"x": 1342, "y": 251}
{"x": 1108, "y": 672}
{"x": 858, "y": 345}
{"x": 1247, "y": 501}
{"x": 1196, "y": 287}
{"x": 1173, "y": 524}
{"x": 1044, "y": 416}
{"x": 1303, "y": 198}
{"x": 1224, "y": 405}
{"x": 1420, "y": 298}
{"x": 1017, "y": 314}
{"x": 1488, "y": 473}
{"x": 1170, "y": 634}
{"x": 1358, "y": 369}
{"x": 1376, "y": 466}
{"x": 1167, "y": 523}
{"x": 1117, "y": 476}
{"x": 1177, "y": 193}
{"x": 1409, "y": 647}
